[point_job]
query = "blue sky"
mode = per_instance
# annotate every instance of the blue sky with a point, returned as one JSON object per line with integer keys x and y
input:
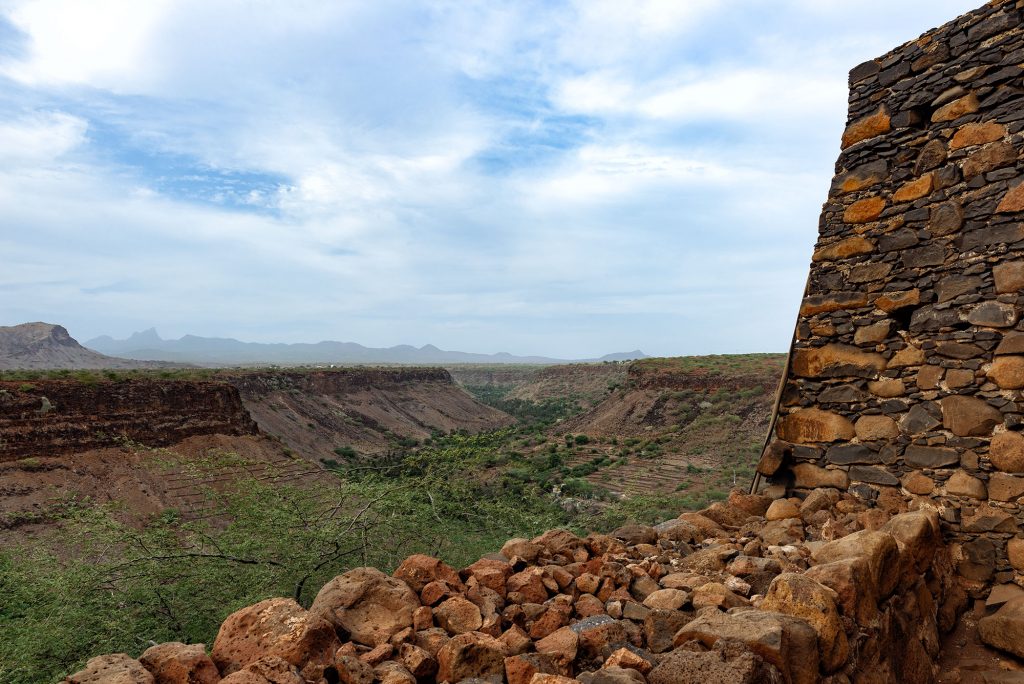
{"x": 561, "y": 178}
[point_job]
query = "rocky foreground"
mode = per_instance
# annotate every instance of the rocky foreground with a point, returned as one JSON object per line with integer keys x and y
{"x": 827, "y": 589}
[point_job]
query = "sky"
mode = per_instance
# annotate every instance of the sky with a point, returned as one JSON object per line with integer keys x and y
{"x": 566, "y": 178}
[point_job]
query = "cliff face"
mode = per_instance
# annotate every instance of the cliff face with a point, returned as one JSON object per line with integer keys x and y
{"x": 362, "y": 408}
{"x": 908, "y": 360}
{"x": 58, "y": 417}
{"x": 43, "y": 345}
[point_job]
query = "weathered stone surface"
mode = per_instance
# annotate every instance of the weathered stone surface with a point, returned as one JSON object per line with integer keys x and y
{"x": 861, "y": 177}
{"x": 1008, "y": 372}
{"x": 930, "y": 457}
{"x": 1015, "y": 553}
{"x": 887, "y": 388}
{"x": 788, "y": 643}
{"x": 852, "y": 246}
{"x": 893, "y": 301}
{"x": 1009, "y": 276}
{"x": 800, "y": 596}
{"x": 877, "y": 548}
{"x": 1013, "y": 201}
{"x": 810, "y": 476}
{"x": 870, "y": 126}
{"x": 918, "y": 483}
{"x": 946, "y": 218}
{"x": 986, "y": 518}
{"x": 979, "y": 559}
{"x": 976, "y": 134}
{"x": 273, "y": 670}
{"x": 873, "y": 476}
{"x": 808, "y": 426}
{"x": 865, "y": 210}
{"x": 782, "y": 509}
{"x": 178, "y": 663}
{"x": 838, "y": 301}
{"x": 419, "y": 570}
{"x": 115, "y": 668}
{"x": 1005, "y": 629}
{"x": 915, "y": 189}
{"x": 989, "y": 158}
{"x": 969, "y": 416}
{"x": 869, "y": 428}
{"x": 836, "y": 359}
{"x": 727, "y": 663}
{"x": 850, "y": 579}
{"x": 367, "y": 604}
{"x": 471, "y": 655}
{"x": 922, "y": 417}
{"x": 993, "y": 315}
{"x": 962, "y": 484}
{"x": 458, "y": 616}
{"x": 276, "y": 627}
{"x": 1004, "y": 487}
{"x": 1006, "y": 451}
{"x": 963, "y": 106}
{"x": 845, "y": 454}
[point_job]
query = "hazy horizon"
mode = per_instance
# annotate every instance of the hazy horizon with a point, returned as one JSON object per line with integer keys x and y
{"x": 566, "y": 179}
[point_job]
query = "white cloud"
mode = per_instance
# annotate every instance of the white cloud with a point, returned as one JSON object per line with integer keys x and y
{"x": 39, "y": 139}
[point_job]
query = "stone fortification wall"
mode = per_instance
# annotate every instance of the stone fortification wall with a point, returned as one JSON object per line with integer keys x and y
{"x": 907, "y": 366}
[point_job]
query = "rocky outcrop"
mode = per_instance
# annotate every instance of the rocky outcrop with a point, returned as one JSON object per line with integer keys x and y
{"x": 859, "y": 587}
{"x": 62, "y": 417}
{"x": 907, "y": 364}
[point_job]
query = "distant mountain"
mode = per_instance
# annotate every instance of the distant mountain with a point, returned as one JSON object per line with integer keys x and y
{"x": 40, "y": 346}
{"x": 218, "y": 351}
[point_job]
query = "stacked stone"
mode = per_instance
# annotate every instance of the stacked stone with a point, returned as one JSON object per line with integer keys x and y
{"x": 907, "y": 367}
{"x": 748, "y": 591}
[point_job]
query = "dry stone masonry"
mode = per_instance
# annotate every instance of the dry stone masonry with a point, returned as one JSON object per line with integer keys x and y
{"x": 907, "y": 367}
{"x": 748, "y": 591}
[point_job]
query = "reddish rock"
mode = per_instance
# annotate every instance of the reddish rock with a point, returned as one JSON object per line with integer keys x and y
{"x": 1013, "y": 201}
{"x": 1006, "y": 451}
{"x": 458, "y": 616}
{"x": 269, "y": 670}
{"x": 803, "y": 597}
{"x": 521, "y": 548}
{"x": 1004, "y": 487}
{"x": 1008, "y": 372}
{"x": 786, "y": 642}
{"x": 968, "y": 104}
{"x": 831, "y": 359}
{"x": 420, "y": 662}
{"x": 419, "y": 570}
{"x": 1009, "y": 276}
{"x": 390, "y": 672}
{"x": 915, "y": 189}
{"x": 850, "y": 579}
{"x": 491, "y": 574}
{"x": 528, "y": 585}
{"x": 471, "y": 655}
{"x": 353, "y": 670}
{"x": 367, "y": 604}
{"x": 969, "y": 416}
{"x": 892, "y": 301}
{"x": 877, "y": 548}
{"x": 810, "y": 476}
{"x": 782, "y": 509}
{"x": 976, "y": 134}
{"x": 520, "y": 669}
{"x": 864, "y": 211}
{"x": 115, "y": 668}
{"x": 853, "y": 246}
{"x": 1005, "y": 629}
{"x": 867, "y": 127}
{"x": 178, "y": 663}
{"x": 275, "y": 627}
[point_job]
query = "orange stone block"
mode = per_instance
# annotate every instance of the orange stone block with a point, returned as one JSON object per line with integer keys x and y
{"x": 868, "y": 127}
{"x": 976, "y": 134}
{"x": 864, "y": 210}
{"x": 1013, "y": 200}
{"x": 968, "y": 104}
{"x": 844, "y": 248}
{"x": 891, "y": 301}
{"x": 915, "y": 189}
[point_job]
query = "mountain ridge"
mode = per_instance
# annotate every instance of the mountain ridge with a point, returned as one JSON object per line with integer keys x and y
{"x": 148, "y": 345}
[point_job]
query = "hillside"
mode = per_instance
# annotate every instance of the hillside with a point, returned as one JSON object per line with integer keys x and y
{"x": 675, "y": 425}
{"x": 45, "y": 346}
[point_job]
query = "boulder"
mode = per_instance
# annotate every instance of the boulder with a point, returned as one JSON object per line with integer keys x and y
{"x": 471, "y": 655}
{"x": 803, "y": 597}
{"x": 633, "y": 534}
{"x": 727, "y": 663}
{"x": 1005, "y": 629}
{"x": 786, "y": 642}
{"x": 370, "y": 606}
{"x": 353, "y": 670}
{"x": 269, "y": 670}
{"x": 419, "y": 570}
{"x": 275, "y": 627}
{"x": 178, "y": 663}
{"x": 880, "y": 551}
{"x": 114, "y": 668}
{"x": 458, "y": 616}
{"x": 963, "y": 484}
{"x": 519, "y": 669}
{"x": 782, "y": 509}
{"x": 850, "y": 579}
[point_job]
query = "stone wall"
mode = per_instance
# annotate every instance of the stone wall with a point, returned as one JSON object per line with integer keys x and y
{"x": 907, "y": 365}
